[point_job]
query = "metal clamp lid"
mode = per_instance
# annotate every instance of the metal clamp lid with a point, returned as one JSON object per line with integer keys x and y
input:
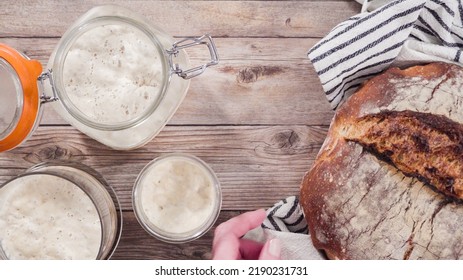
{"x": 190, "y": 42}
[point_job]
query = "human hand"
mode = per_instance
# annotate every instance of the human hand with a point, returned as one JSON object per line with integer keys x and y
{"x": 228, "y": 244}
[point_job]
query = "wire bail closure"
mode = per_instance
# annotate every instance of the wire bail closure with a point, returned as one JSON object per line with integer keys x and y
{"x": 190, "y": 42}
{"x": 48, "y": 75}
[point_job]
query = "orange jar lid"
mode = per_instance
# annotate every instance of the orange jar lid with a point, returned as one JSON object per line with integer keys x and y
{"x": 20, "y": 102}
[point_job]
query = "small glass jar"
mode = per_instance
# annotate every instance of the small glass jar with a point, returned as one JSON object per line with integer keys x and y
{"x": 59, "y": 211}
{"x": 177, "y": 198}
{"x": 114, "y": 76}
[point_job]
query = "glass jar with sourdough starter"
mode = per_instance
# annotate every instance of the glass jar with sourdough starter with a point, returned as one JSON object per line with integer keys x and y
{"x": 58, "y": 211}
{"x": 113, "y": 75}
{"x": 177, "y": 198}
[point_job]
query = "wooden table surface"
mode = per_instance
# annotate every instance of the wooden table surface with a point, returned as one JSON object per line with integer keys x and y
{"x": 258, "y": 118}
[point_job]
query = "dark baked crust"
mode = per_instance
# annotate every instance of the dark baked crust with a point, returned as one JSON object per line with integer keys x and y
{"x": 423, "y": 145}
{"x": 359, "y": 207}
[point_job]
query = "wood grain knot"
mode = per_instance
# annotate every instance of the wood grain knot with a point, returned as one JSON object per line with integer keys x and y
{"x": 252, "y": 74}
{"x": 54, "y": 153}
{"x": 286, "y": 139}
{"x": 288, "y": 22}
{"x": 284, "y": 142}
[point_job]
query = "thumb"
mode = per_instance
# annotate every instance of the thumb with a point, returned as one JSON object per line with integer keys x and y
{"x": 271, "y": 250}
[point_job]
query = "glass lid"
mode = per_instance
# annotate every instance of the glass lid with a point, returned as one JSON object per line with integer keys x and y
{"x": 112, "y": 72}
{"x": 12, "y": 98}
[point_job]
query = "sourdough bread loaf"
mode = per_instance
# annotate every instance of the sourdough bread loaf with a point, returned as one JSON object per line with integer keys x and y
{"x": 374, "y": 193}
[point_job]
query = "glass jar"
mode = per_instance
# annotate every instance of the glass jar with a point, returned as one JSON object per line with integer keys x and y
{"x": 177, "y": 198}
{"x": 20, "y": 109}
{"x": 113, "y": 75}
{"x": 59, "y": 211}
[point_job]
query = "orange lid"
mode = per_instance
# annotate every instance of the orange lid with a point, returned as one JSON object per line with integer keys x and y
{"x": 20, "y": 102}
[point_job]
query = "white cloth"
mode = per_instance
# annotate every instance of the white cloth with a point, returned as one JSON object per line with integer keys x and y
{"x": 386, "y": 33}
{"x": 294, "y": 246}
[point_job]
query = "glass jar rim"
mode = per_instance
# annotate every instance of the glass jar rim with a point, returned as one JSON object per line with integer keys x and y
{"x": 73, "y": 34}
{"x": 170, "y": 237}
{"x": 36, "y": 170}
{"x": 44, "y": 173}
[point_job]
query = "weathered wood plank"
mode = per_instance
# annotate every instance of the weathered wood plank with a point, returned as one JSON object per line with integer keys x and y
{"x": 26, "y": 18}
{"x": 272, "y": 49}
{"x": 136, "y": 244}
{"x": 247, "y": 159}
{"x": 258, "y": 81}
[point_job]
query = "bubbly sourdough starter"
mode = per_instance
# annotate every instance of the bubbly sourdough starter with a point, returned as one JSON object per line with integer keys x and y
{"x": 113, "y": 73}
{"x": 47, "y": 217}
{"x": 177, "y": 195}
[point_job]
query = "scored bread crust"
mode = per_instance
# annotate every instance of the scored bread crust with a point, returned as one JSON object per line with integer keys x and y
{"x": 360, "y": 207}
{"x": 422, "y": 145}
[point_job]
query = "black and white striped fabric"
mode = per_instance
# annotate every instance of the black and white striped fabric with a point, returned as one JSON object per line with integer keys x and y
{"x": 286, "y": 215}
{"x": 398, "y": 33}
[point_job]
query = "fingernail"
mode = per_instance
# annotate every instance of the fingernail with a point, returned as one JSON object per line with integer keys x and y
{"x": 274, "y": 247}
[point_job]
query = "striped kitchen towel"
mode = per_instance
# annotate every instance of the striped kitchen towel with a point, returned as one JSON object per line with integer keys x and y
{"x": 286, "y": 215}
{"x": 286, "y": 222}
{"x": 399, "y": 33}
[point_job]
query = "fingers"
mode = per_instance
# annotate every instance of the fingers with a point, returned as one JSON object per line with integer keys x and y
{"x": 227, "y": 243}
{"x": 250, "y": 249}
{"x": 226, "y": 249}
{"x": 245, "y": 249}
{"x": 239, "y": 225}
{"x": 271, "y": 250}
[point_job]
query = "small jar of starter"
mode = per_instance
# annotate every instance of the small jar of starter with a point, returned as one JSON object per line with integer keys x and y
{"x": 177, "y": 198}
